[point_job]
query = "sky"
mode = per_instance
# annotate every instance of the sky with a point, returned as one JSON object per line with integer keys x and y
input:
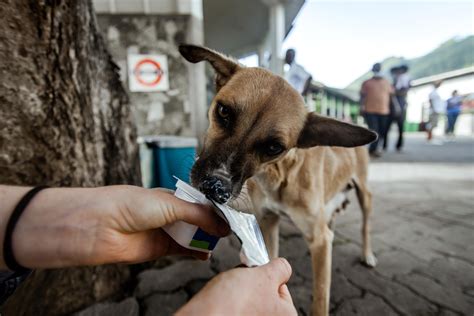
{"x": 337, "y": 41}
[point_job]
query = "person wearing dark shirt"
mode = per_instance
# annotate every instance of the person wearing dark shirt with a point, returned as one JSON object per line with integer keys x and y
{"x": 453, "y": 109}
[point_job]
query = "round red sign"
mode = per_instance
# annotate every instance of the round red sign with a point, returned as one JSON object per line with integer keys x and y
{"x": 148, "y": 72}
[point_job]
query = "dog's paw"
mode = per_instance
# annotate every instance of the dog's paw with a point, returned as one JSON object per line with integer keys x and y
{"x": 370, "y": 260}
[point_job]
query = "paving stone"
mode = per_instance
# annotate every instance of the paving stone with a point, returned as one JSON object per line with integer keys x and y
{"x": 302, "y": 298}
{"x": 352, "y": 233}
{"x": 345, "y": 256}
{"x": 403, "y": 300}
{"x": 164, "y": 304}
{"x": 398, "y": 262}
{"x": 226, "y": 255}
{"x": 451, "y": 298}
{"x": 297, "y": 280}
{"x": 341, "y": 289}
{"x": 450, "y": 272}
{"x": 469, "y": 291}
{"x": 127, "y": 307}
{"x": 172, "y": 277}
{"x": 368, "y": 305}
{"x": 195, "y": 286}
{"x": 296, "y": 251}
{"x": 446, "y": 312}
{"x": 456, "y": 235}
{"x": 294, "y": 247}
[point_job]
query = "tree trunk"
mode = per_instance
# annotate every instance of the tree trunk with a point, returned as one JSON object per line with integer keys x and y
{"x": 64, "y": 121}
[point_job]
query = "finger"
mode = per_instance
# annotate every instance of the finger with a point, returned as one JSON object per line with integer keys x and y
{"x": 279, "y": 270}
{"x": 200, "y": 215}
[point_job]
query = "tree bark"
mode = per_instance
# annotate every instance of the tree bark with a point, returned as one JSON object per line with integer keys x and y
{"x": 64, "y": 121}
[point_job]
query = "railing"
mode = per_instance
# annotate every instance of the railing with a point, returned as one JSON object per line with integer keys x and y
{"x": 334, "y": 106}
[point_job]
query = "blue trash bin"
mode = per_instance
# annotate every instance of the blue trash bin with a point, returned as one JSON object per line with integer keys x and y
{"x": 171, "y": 156}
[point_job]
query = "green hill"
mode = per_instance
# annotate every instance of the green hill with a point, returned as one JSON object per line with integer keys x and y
{"x": 451, "y": 55}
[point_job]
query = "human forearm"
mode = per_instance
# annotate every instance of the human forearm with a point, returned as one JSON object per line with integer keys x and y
{"x": 55, "y": 227}
{"x": 9, "y": 197}
{"x": 64, "y": 227}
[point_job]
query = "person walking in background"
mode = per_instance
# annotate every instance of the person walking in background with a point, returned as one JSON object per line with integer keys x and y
{"x": 453, "y": 108}
{"x": 296, "y": 75}
{"x": 375, "y": 105}
{"x": 437, "y": 107}
{"x": 398, "y": 104}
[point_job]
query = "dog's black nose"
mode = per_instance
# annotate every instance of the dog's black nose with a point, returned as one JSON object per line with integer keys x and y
{"x": 216, "y": 189}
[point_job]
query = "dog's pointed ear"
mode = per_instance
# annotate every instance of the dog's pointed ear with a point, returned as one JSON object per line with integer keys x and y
{"x": 323, "y": 131}
{"x": 225, "y": 67}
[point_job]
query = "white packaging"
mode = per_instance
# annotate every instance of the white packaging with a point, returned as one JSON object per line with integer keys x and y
{"x": 245, "y": 226}
{"x": 187, "y": 235}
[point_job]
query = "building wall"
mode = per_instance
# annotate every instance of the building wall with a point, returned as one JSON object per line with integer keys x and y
{"x": 154, "y": 112}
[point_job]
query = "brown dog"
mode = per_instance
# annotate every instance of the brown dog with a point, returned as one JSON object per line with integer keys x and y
{"x": 260, "y": 132}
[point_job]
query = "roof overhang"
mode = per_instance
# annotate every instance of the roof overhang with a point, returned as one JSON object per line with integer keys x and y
{"x": 443, "y": 76}
{"x": 240, "y": 27}
{"x": 235, "y": 27}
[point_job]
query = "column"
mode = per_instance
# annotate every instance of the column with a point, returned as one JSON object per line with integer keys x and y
{"x": 197, "y": 76}
{"x": 277, "y": 35}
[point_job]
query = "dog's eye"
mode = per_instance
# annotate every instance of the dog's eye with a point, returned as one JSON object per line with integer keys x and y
{"x": 223, "y": 115}
{"x": 223, "y": 111}
{"x": 274, "y": 149}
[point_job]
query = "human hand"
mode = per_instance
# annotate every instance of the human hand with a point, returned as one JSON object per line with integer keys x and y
{"x": 90, "y": 226}
{"x": 245, "y": 291}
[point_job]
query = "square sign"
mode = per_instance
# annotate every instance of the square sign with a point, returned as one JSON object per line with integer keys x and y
{"x": 147, "y": 73}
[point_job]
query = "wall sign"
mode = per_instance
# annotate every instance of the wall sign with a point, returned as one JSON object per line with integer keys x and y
{"x": 147, "y": 73}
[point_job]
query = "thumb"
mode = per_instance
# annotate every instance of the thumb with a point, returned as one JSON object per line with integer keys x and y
{"x": 278, "y": 270}
{"x": 203, "y": 216}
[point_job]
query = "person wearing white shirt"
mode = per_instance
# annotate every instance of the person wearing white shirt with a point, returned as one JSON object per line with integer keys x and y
{"x": 296, "y": 75}
{"x": 437, "y": 107}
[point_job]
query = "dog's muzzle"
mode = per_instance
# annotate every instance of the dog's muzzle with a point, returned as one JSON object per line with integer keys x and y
{"x": 216, "y": 189}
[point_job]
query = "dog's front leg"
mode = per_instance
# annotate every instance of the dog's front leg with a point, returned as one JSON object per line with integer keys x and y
{"x": 269, "y": 222}
{"x": 319, "y": 238}
{"x": 320, "y": 247}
